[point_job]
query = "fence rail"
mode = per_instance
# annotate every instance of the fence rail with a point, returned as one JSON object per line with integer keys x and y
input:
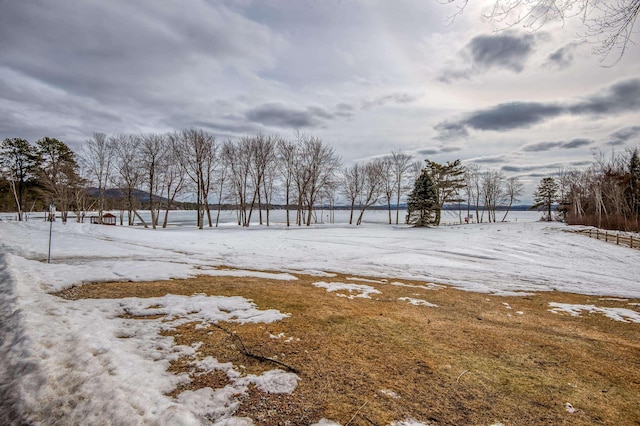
{"x": 612, "y": 237}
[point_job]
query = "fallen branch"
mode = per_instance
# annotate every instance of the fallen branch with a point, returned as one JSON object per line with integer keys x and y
{"x": 461, "y": 374}
{"x": 240, "y": 345}
{"x": 354, "y": 416}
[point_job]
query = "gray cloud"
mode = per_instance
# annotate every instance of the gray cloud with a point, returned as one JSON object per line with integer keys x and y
{"x": 539, "y": 167}
{"x": 621, "y": 136}
{"x": 511, "y": 116}
{"x": 152, "y": 46}
{"x": 621, "y": 97}
{"x": 399, "y": 98}
{"x": 448, "y": 130}
{"x": 508, "y": 50}
{"x": 427, "y": 152}
{"x": 488, "y": 160}
{"x": 561, "y": 58}
{"x": 344, "y": 110}
{"x": 548, "y": 146}
{"x": 447, "y": 149}
{"x": 278, "y": 115}
{"x": 576, "y": 143}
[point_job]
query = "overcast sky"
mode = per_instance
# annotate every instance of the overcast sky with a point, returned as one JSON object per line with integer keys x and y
{"x": 368, "y": 77}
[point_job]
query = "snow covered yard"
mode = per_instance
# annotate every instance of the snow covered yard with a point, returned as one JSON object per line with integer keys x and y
{"x": 91, "y": 360}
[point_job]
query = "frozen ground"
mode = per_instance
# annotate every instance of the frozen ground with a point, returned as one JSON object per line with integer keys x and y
{"x": 55, "y": 352}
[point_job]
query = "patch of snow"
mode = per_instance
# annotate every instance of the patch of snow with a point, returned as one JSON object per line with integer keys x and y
{"x": 273, "y": 381}
{"x": 408, "y": 422}
{"x": 249, "y": 274}
{"x": 617, "y": 314}
{"x": 417, "y": 302}
{"x": 613, "y": 299}
{"x": 389, "y": 393}
{"x": 363, "y": 290}
{"x": 506, "y": 305}
{"x": 569, "y": 408}
{"x": 325, "y": 422}
{"x": 276, "y": 336}
{"x": 430, "y": 286}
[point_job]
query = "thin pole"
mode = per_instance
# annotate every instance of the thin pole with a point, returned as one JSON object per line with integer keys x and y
{"x": 50, "y": 232}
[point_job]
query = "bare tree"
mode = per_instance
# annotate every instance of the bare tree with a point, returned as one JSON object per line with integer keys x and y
{"x": 401, "y": 166}
{"x": 223, "y": 172}
{"x": 608, "y": 24}
{"x": 492, "y": 191}
{"x": 239, "y": 157}
{"x": 472, "y": 189}
{"x": 513, "y": 190}
{"x": 287, "y": 153}
{"x": 262, "y": 149}
{"x": 196, "y": 152}
{"x": 153, "y": 152}
{"x": 270, "y": 177}
{"x": 97, "y": 158}
{"x": 128, "y": 171}
{"x": 372, "y": 186}
{"x": 318, "y": 165}
{"x": 351, "y": 186}
{"x": 172, "y": 174}
{"x": 388, "y": 183}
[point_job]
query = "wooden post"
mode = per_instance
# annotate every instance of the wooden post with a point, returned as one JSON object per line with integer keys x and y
{"x": 597, "y": 234}
{"x": 631, "y": 241}
{"x": 618, "y": 239}
{"x": 606, "y": 236}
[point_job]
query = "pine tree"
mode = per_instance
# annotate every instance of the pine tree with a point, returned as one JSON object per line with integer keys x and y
{"x": 448, "y": 179}
{"x": 18, "y": 165}
{"x": 545, "y": 195}
{"x": 422, "y": 204}
{"x": 633, "y": 188}
{"x": 58, "y": 173}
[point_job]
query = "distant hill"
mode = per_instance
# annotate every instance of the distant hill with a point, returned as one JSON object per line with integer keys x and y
{"x": 119, "y": 193}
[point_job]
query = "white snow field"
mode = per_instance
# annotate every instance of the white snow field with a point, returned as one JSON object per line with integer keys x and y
{"x": 79, "y": 362}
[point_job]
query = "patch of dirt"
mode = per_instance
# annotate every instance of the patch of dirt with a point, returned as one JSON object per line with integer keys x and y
{"x": 473, "y": 359}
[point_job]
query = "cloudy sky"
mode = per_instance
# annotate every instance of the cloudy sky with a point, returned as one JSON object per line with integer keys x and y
{"x": 367, "y": 76}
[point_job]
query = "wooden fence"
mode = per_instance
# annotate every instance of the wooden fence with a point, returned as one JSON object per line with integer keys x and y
{"x": 612, "y": 237}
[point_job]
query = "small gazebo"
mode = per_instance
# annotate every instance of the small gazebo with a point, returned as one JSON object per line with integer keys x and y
{"x": 107, "y": 219}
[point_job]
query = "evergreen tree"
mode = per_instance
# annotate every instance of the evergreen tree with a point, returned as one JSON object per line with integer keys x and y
{"x": 18, "y": 164}
{"x": 58, "y": 173}
{"x": 422, "y": 204}
{"x": 633, "y": 188}
{"x": 448, "y": 179}
{"x": 545, "y": 195}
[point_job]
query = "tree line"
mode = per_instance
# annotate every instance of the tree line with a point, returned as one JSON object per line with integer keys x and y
{"x": 250, "y": 174}
{"x": 606, "y": 194}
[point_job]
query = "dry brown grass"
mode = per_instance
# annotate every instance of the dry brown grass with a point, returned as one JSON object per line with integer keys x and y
{"x": 471, "y": 360}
